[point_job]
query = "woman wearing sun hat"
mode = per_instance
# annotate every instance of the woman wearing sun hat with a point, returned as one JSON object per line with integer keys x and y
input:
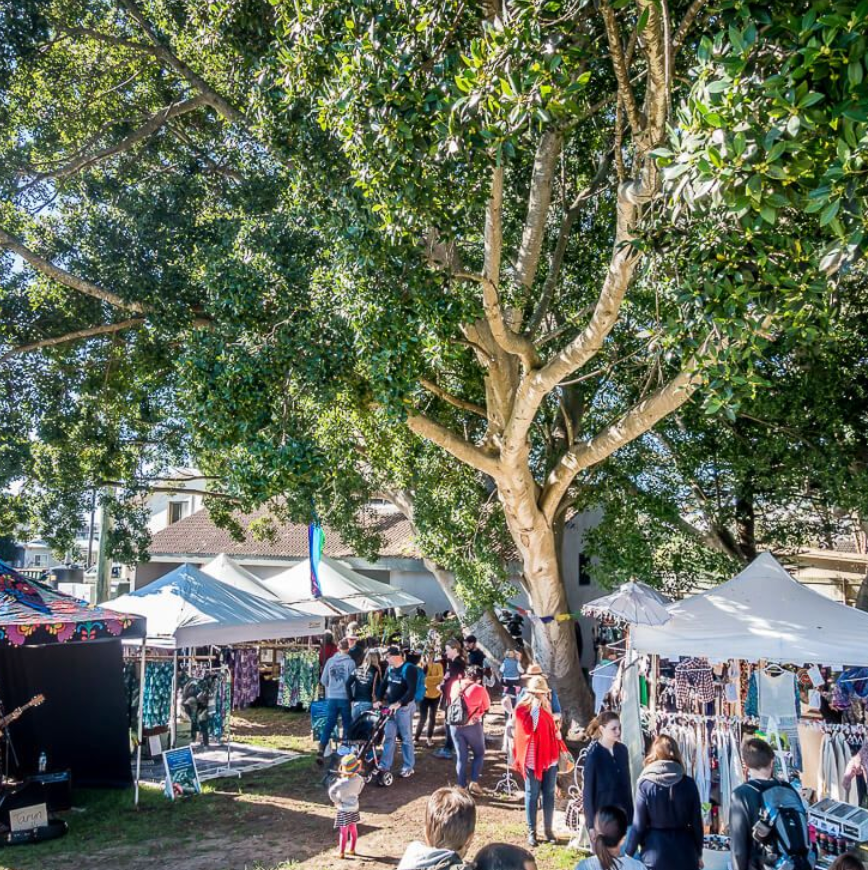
{"x": 344, "y": 794}
{"x": 534, "y": 670}
{"x": 536, "y": 748}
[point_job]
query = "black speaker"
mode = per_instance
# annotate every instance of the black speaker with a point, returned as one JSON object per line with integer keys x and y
{"x": 58, "y": 789}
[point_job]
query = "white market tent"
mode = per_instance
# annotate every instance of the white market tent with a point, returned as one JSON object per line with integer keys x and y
{"x": 188, "y": 608}
{"x": 761, "y": 614}
{"x": 228, "y": 571}
{"x": 343, "y": 589}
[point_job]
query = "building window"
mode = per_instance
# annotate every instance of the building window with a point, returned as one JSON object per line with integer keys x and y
{"x": 37, "y": 561}
{"x": 177, "y": 511}
{"x": 584, "y": 574}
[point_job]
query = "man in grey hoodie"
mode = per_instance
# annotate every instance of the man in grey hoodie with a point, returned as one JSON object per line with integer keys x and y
{"x": 450, "y": 822}
{"x": 337, "y": 671}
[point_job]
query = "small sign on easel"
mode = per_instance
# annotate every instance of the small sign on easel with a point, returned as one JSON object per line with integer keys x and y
{"x": 182, "y": 778}
{"x": 28, "y": 818}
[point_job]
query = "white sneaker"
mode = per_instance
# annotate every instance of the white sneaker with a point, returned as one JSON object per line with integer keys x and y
{"x": 407, "y": 772}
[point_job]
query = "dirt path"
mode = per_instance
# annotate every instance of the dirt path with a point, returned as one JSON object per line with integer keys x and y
{"x": 281, "y": 818}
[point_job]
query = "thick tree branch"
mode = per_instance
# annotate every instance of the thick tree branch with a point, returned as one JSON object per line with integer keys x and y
{"x": 459, "y": 447}
{"x": 461, "y": 404}
{"x": 539, "y": 200}
{"x": 73, "y": 282}
{"x": 639, "y": 419}
{"x": 494, "y": 227}
{"x": 151, "y": 126}
{"x": 563, "y": 238}
{"x": 686, "y": 23}
{"x": 164, "y": 53}
{"x": 506, "y": 338}
{"x": 99, "y": 36}
{"x": 619, "y": 65}
{"x": 656, "y": 46}
{"x": 106, "y": 329}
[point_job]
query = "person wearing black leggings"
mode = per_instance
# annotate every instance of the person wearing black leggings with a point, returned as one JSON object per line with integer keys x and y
{"x": 431, "y": 702}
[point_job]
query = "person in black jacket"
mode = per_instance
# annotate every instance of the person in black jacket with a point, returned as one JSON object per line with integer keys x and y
{"x": 398, "y": 691}
{"x": 607, "y": 769}
{"x": 744, "y": 812}
{"x": 667, "y": 823}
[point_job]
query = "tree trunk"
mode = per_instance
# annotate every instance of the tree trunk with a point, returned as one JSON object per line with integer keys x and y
{"x": 745, "y": 521}
{"x": 554, "y": 643}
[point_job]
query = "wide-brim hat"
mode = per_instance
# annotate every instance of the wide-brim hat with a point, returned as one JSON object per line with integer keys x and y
{"x": 537, "y": 686}
{"x": 533, "y": 670}
{"x": 350, "y": 765}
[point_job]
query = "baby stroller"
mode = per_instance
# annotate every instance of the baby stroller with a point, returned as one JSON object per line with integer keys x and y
{"x": 365, "y": 741}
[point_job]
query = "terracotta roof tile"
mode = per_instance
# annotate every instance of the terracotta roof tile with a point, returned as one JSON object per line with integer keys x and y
{"x": 198, "y": 535}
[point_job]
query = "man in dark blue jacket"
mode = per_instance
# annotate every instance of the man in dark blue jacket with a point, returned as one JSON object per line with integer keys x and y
{"x": 398, "y": 691}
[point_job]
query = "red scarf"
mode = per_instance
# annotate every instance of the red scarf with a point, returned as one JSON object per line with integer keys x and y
{"x": 548, "y": 741}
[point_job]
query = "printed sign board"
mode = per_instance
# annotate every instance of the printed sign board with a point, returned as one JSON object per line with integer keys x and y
{"x": 182, "y": 778}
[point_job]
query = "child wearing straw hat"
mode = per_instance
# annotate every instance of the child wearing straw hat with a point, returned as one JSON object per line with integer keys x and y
{"x": 344, "y": 794}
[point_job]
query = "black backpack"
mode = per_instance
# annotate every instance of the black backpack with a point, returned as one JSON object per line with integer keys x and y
{"x": 457, "y": 713}
{"x": 782, "y": 828}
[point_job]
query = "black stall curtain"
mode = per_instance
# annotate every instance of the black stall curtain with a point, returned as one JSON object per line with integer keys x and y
{"x": 83, "y": 725}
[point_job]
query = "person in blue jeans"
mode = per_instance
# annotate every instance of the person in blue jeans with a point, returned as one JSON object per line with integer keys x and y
{"x": 398, "y": 691}
{"x": 469, "y": 738}
{"x": 335, "y": 677}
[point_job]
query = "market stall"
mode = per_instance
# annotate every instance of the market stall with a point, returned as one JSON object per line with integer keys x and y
{"x": 55, "y": 646}
{"x": 225, "y": 569}
{"x": 187, "y": 610}
{"x": 763, "y": 653}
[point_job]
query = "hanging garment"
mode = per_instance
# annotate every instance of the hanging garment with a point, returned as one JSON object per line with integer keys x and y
{"x": 703, "y": 770}
{"x": 631, "y": 719}
{"x": 694, "y": 681}
{"x": 245, "y": 678}
{"x": 777, "y": 695}
{"x": 854, "y": 681}
{"x": 721, "y": 741}
{"x": 842, "y": 759}
{"x": 157, "y": 699}
{"x": 299, "y": 678}
{"x": 601, "y": 682}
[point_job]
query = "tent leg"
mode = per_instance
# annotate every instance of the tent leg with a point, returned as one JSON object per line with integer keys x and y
{"x": 652, "y": 685}
{"x": 173, "y": 726}
{"x": 141, "y": 722}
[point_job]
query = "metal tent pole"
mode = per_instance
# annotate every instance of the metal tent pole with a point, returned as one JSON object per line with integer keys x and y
{"x": 141, "y": 721}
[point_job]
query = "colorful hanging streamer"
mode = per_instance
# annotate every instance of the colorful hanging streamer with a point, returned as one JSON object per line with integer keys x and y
{"x": 316, "y": 542}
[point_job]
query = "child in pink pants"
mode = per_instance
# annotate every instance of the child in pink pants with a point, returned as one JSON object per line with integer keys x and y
{"x": 344, "y": 794}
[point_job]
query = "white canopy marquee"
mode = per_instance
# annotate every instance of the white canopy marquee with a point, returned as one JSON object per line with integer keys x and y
{"x": 228, "y": 571}
{"x": 187, "y": 608}
{"x": 761, "y": 614}
{"x": 343, "y": 590}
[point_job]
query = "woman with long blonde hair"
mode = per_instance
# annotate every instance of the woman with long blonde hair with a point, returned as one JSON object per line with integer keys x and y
{"x": 667, "y": 823}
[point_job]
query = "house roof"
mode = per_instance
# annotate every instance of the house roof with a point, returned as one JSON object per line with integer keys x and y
{"x": 198, "y": 535}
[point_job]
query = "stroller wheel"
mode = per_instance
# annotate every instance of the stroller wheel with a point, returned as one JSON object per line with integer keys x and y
{"x": 368, "y": 777}
{"x": 386, "y": 778}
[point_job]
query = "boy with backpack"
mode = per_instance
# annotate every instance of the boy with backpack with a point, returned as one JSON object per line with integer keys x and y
{"x": 398, "y": 690}
{"x": 768, "y": 823}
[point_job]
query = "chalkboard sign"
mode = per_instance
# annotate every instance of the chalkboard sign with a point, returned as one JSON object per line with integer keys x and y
{"x": 182, "y": 778}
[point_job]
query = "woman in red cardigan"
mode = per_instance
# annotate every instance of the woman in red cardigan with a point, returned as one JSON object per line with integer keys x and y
{"x": 537, "y": 746}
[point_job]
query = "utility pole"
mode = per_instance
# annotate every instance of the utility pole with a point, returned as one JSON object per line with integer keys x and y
{"x": 91, "y": 530}
{"x": 104, "y": 562}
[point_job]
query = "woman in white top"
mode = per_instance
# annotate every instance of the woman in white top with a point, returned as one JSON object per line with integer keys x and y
{"x": 607, "y": 837}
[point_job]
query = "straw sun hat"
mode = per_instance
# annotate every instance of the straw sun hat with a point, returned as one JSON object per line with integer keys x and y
{"x": 533, "y": 670}
{"x": 537, "y": 686}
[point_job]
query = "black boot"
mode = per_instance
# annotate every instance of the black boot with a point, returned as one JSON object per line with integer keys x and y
{"x": 532, "y": 840}
{"x": 550, "y": 836}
